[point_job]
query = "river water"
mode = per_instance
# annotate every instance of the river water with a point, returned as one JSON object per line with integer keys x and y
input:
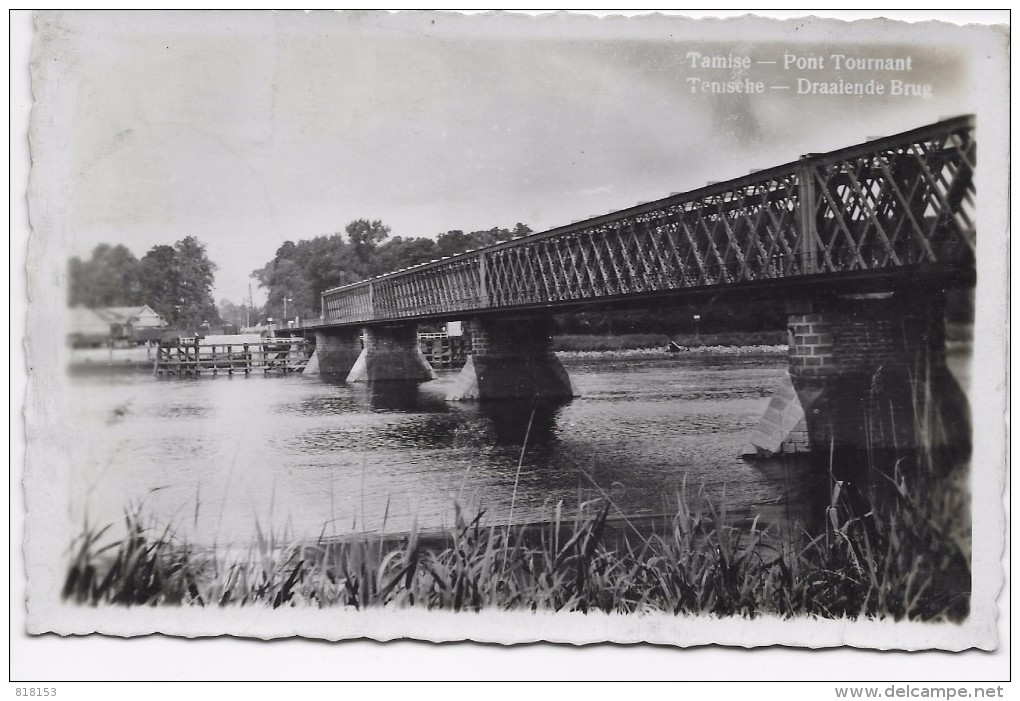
{"x": 307, "y": 457}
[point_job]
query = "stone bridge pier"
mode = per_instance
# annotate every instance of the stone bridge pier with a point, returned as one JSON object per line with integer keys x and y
{"x": 336, "y": 351}
{"x": 391, "y": 353}
{"x": 372, "y": 353}
{"x": 869, "y": 378}
{"x": 511, "y": 358}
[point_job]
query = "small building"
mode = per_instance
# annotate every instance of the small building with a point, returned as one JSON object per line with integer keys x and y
{"x": 88, "y": 328}
{"x": 106, "y": 325}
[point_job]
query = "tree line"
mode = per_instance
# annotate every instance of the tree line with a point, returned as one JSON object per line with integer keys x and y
{"x": 300, "y": 272}
{"x": 175, "y": 281}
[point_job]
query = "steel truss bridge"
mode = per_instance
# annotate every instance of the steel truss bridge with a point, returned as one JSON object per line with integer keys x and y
{"x": 882, "y": 213}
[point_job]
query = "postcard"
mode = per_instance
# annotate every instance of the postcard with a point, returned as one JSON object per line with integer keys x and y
{"x": 512, "y": 328}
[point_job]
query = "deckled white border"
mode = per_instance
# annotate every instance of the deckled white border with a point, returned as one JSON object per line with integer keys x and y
{"x": 522, "y": 627}
{"x": 989, "y": 442}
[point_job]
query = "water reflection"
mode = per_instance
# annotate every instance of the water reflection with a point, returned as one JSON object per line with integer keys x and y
{"x": 398, "y": 396}
{"x": 516, "y": 422}
{"x": 301, "y": 452}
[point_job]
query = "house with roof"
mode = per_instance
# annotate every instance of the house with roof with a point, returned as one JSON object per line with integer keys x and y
{"x": 104, "y": 325}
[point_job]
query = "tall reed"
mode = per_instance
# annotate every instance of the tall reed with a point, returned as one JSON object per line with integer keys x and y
{"x": 895, "y": 562}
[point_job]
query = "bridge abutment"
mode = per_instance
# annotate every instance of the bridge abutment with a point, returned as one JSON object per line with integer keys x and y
{"x": 870, "y": 374}
{"x": 336, "y": 351}
{"x": 511, "y": 358}
{"x": 391, "y": 353}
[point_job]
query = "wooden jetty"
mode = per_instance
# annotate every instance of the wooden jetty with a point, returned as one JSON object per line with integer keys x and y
{"x": 191, "y": 356}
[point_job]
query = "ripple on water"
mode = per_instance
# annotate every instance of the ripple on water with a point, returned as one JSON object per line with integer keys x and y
{"x": 311, "y": 452}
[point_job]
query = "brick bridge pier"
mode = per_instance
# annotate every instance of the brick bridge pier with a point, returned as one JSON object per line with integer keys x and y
{"x": 867, "y": 373}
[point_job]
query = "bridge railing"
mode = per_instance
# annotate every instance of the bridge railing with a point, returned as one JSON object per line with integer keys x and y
{"x": 901, "y": 201}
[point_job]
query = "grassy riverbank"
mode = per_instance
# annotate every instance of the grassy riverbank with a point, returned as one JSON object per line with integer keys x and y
{"x": 903, "y": 553}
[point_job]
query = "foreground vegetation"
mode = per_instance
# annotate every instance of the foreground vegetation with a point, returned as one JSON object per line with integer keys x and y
{"x": 904, "y": 556}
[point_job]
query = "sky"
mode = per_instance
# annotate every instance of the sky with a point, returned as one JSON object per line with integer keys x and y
{"x": 250, "y": 129}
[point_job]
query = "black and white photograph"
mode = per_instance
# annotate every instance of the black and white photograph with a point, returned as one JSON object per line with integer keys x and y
{"x": 511, "y": 327}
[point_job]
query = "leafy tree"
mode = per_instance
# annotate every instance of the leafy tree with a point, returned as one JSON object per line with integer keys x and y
{"x": 302, "y": 271}
{"x": 111, "y": 277}
{"x": 197, "y": 275}
{"x": 161, "y": 281}
{"x": 236, "y": 314}
{"x": 295, "y": 287}
{"x": 177, "y": 282}
{"x": 453, "y": 242}
{"x": 365, "y": 236}
{"x": 400, "y": 253}
{"x": 521, "y": 230}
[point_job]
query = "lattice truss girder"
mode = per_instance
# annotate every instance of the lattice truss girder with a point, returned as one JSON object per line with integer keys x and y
{"x": 355, "y": 305}
{"x": 452, "y": 287}
{"x": 886, "y": 204}
{"x": 732, "y": 237}
{"x": 905, "y": 205}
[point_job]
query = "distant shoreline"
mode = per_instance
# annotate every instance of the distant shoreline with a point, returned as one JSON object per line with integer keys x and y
{"x": 662, "y": 354}
{"x": 958, "y": 342}
{"x": 134, "y": 359}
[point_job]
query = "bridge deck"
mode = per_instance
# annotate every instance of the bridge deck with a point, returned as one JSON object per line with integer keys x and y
{"x": 891, "y": 208}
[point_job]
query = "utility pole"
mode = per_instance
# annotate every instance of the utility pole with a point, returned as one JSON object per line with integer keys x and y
{"x": 250, "y": 304}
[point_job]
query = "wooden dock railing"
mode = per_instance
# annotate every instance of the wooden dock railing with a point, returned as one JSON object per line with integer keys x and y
{"x": 193, "y": 357}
